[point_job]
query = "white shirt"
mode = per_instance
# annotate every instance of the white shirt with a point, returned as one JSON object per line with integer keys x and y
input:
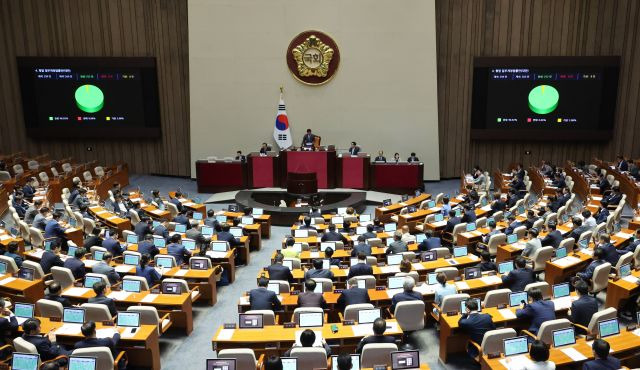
{"x": 590, "y": 223}
{"x": 542, "y": 365}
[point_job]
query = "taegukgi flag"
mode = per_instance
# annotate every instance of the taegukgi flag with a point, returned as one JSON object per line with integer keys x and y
{"x": 281, "y": 130}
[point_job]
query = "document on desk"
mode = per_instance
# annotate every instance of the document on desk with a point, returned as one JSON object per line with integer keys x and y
{"x": 362, "y": 330}
{"x": 490, "y": 280}
{"x": 37, "y": 253}
{"x": 516, "y": 362}
{"x": 123, "y": 268}
{"x": 425, "y": 288}
{"x": 76, "y": 291}
{"x": 181, "y": 272}
{"x": 213, "y": 254}
{"x": 119, "y": 296}
{"x": 567, "y": 261}
{"x": 392, "y": 292}
{"x": 6, "y": 281}
{"x": 112, "y": 218}
{"x": 102, "y": 212}
{"x": 473, "y": 257}
{"x": 507, "y": 313}
{"x": 574, "y": 354}
{"x": 5, "y": 237}
{"x": 244, "y": 300}
{"x": 562, "y": 303}
{"x": 389, "y": 269}
{"x": 69, "y": 329}
{"x": 417, "y": 266}
{"x": 631, "y": 279}
{"x": 150, "y": 298}
{"x": 314, "y": 254}
{"x": 90, "y": 263}
{"x": 623, "y": 235}
{"x": 225, "y": 334}
{"x": 105, "y": 333}
{"x": 462, "y": 285}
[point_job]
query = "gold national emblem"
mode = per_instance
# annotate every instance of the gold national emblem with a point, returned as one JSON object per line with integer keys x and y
{"x": 313, "y": 57}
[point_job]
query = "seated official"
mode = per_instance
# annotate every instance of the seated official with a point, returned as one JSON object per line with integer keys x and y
{"x": 451, "y": 222}
{"x": 12, "y": 252}
{"x": 162, "y": 230}
{"x": 469, "y": 215}
{"x": 531, "y": 219}
{"x": 93, "y": 240}
{"x": 430, "y": 242}
{"x": 492, "y": 231}
{"x": 104, "y": 267}
{"x": 538, "y": 310}
{"x": 226, "y": 236}
{"x": 120, "y": 205}
{"x": 602, "y": 357}
{"x": 553, "y": 238}
{"x": 46, "y": 345}
{"x": 100, "y": 288}
{"x": 308, "y": 139}
{"x": 380, "y": 157}
{"x": 306, "y": 224}
{"x": 475, "y": 325}
{"x": 81, "y": 200}
{"x": 182, "y": 218}
{"x": 307, "y": 339}
{"x": 264, "y": 148}
{"x": 194, "y": 233}
{"x": 331, "y": 235}
{"x": 75, "y": 264}
{"x": 486, "y": 264}
{"x": 408, "y": 294}
{"x": 614, "y": 198}
{"x": 262, "y": 298}
{"x": 112, "y": 245}
{"x": 54, "y": 230}
{"x": 8, "y": 323}
{"x": 371, "y": 232}
{"x": 479, "y": 180}
{"x": 211, "y": 218}
{"x": 603, "y": 212}
{"x": 559, "y": 181}
{"x": 32, "y": 211}
{"x": 287, "y": 249}
{"x": 406, "y": 234}
{"x": 146, "y": 246}
{"x": 603, "y": 183}
{"x": 40, "y": 220}
{"x": 309, "y": 298}
{"x": 519, "y": 277}
{"x": 352, "y": 295}
{"x": 397, "y": 245}
{"x": 539, "y": 353}
{"x": 143, "y": 227}
{"x": 156, "y": 200}
{"x": 54, "y": 295}
{"x": 446, "y": 206}
{"x": 354, "y": 149}
{"x": 240, "y": 157}
{"x": 405, "y": 266}
{"x": 379, "y": 327}
{"x": 396, "y": 157}
{"x": 533, "y": 244}
{"x": 578, "y": 228}
{"x": 443, "y": 289}
{"x": 361, "y": 268}
{"x": 589, "y": 221}
{"x": 29, "y": 189}
{"x": 51, "y": 257}
{"x": 499, "y": 204}
{"x": 149, "y": 273}
{"x": 412, "y": 158}
{"x": 361, "y": 247}
{"x": 19, "y": 204}
{"x": 610, "y": 252}
{"x": 583, "y": 308}
{"x": 91, "y": 340}
{"x": 328, "y": 254}
{"x": 277, "y": 271}
{"x": 177, "y": 250}
{"x": 176, "y": 201}
{"x": 344, "y": 362}
{"x": 273, "y": 362}
{"x": 513, "y": 224}
{"x": 318, "y": 272}
{"x": 598, "y": 259}
{"x": 631, "y": 247}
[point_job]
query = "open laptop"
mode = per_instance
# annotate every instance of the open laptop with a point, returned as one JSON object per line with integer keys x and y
{"x": 90, "y": 280}
{"x": 206, "y": 231}
{"x": 337, "y": 220}
{"x": 431, "y": 278}
{"x": 515, "y": 346}
{"x": 180, "y": 228}
{"x": 26, "y": 273}
{"x": 564, "y": 337}
{"x": 129, "y": 320}
{"x": 439, "y": 217}
{"x": 3, "y": 267}
{"x": 355, "y": 362}
{"x": 395, "y": 282}
{"x": 189, "y": 244}
{"x": 250, "y": 321}
{"x": 311, "y": 319}
{"x": 132, "y": 239}
{"x": 472, "y": 273}
{"x": 361, "y": 230}
{"x": 170, "y": 287}
{"x": 131, "y": 286}
{"x": 289, "y": 363}
{"x": 471, "y": 226}
{"x": 198, "y": 264}
{"x": 429, "y": 256}
{"x": 131, "y": 259}
{"x": 394, "y": 259}
{"x": 516, "y": 298}
{"x": 25, "y": 361}
{"x": 72, "y": 251}
{"x": 561, "y": 290}
{"x": 625, "y": 270}
{"x": 221, "y": 219}
{"x": 505, "y": 267}
{"x": 217, "y": 246}
{"x": 607, "y": 328}
{"x": 325, "y": 245}
{"x": 159, "y": 242}
{"x": 405, "y": 360}
{"x": 368, "y": 316}
{"x": 258, "y": 211}
{"x": 221, "y": 364}
{"x": 420, "y": 238}
{"x": 97, "y": 255}
{"x": 459, "y": 251}
{"x": 164, "y": 261}
{"x": 23, "y": 311}
{"x": 82, "y": 363}
{"x": 197, "y": 216}
{"x": 561, "y": 252}
{"x": 73, "y": 315}
{"x": 512, "y": 238}
{"x": 365, "y": 218}
{"x": 390, "y": 227}
{"x": 288, "y": 263}
{"x": 300, "y": 233}
{"x": 236, "y": 232}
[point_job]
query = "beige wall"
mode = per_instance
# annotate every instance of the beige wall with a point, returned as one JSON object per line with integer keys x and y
{"x": 384, "y": 94}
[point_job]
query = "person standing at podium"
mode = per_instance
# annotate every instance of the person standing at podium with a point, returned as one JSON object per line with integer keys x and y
{"x": 308, "y": 139}
{"x": 354, "y": 149}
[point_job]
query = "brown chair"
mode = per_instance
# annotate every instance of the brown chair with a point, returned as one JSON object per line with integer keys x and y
{"x": 316, "y": 142}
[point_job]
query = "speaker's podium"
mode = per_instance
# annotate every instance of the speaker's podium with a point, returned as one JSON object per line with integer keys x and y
{"x": 302, "y": 183}
{"x": 321, "y": 162}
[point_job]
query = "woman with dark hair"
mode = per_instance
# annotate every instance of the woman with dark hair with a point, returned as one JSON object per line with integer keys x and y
{"x": 147, "y": 271}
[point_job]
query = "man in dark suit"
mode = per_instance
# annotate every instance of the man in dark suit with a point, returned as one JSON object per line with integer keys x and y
{"x": 88, "y": 330}
{"x": 352, "y": 295}
{"x": 631, "y": 247}
{"x": 475, "y": 325}
{"x": 361, "y": 268}
{"x": 603, "y": 183}
{"x": 309, "y": 298}
{"x": 371, "y": 232}
{"x": 40, "y": 220}
{"x": 104, "y": 267}
{"x": 332, "y": 235}
{"x": 614, "y": 197}
{"x": 47, "y": 348}
{"x": 51, "y": 258}
{"x": 146, "y": 246}
{"x": 519, "y": 277}
{"x": 176, "y": 201}
{"x": 143, "y": 227}
{"x": 413, "y": 158}
{"x": 487, "y": 264}
{"x": 99, "y": 288}
{"x": 622, "y": 165}
{"x": 380, "y": 157}
{"x": 397, "y": 245}
{"x": 318, "y": 272}
{"x": 12, "y": 252}
{"x": 8, "y": 323}
{"x": 553, "y": 238}
{"x": 240, "y": 157}
{"x": 81, "y": 200}
{"x": 264, "y": 148}
{"x": 262, "y": 298}
{"x": 602, "y": 357}
{"x": 538, "y": 310}
{"x": 54, "y": 230}
{"x": 226, "y": 236}
{"x": 598, "y": 259}
{"x": 407, "y": 294}
{"x": 578, "y": 229}
{"x": 278, "y": 271}
{"x": 603, "y": 212}
{"x": 559, "y": 181}
{"x": 361, "y": 247}
{"x": 306, "y": 224}
{"x": 32, "y": 211}
{"x": 54, "y": 294}
{"x": 19, "y": 204}
{"x": 379, "y": 327}
{"x": 308, "y": 139}
{"x": 211, "y": 219}
{"x": 517, "y": 185}
{"x": 328, "y": 254}
{"x": 354, "y": 149}
{"x": 75, "y": 264}
{"x": 162, "y": 230}
{"x": 513, "y": 224}
{"x": 183, "y": 218}
{"x": 584, "y": 307}
{"x": 430, "y": 242}
{"x": 611, "y": 254}
{"x": 112, "y": 245}
{"x": 452, "y": 222}
{"x": 177, "y": 250}
{"x": 469, "y": 214}
{"x": 93, "y": 240}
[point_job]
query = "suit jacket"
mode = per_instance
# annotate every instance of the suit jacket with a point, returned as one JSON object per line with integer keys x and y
{"x": 311, "y": 299}
{"x": 413, "y": 159}
{"x": 576, "y": 232}
{"x": 182, "y": 220}
{"x": 147, "y": 247}
{"x": 100, "y": 342}
{"x": 475, "y": 325}
{"x": 355, "y": 150}
{"x": 53, "y": 230}
{"x": 538, "y": 312}
{"x": 280, "y": 272}
{"x": 76, "y": 266}
{"x": 359, "y": 269}
{"x": 451, "y": 223}
{"x": 141, "y": 229}
{"x": 29, "y": 191}
{"x": 518, "y": 278}
{"x": 318, "y": 273}
{"x": 587, "y": 274}
{"x": 46, "y": 349}
{"x": 80, "y": 201}
{"x": 613, "y": 199}
{"x": 380, "y": 159}
{"x": 63, "y": 300}
{"x": 429, "y": 244}
{"x": 264, "y": 299}
{"x": 374, "y": 339}
{"x": 92, "y": 241}
{"x": 113, "y": 246}
{"x": 623, "y": 166}
{"x": 228, "y": 237}
{"x": 194, "y": 234}
{"x": 30, "y": 214}
{"x": 308, "y": 139}
{"x": 102, "y": 268}
{"x": 177, "y": 203}
{"x": 531, "y": 247}
{"x": 105, "y": 301}
{"x": 178, "y": 251}
{"x": 149, "y": 273}
{"x": 514, "y": 225}
{"x": 15, "y": 257}
{"x": 552, "y": 239}
{"x": 469, "y": 216}
{"x": 397, "y": 246}
{"x": 333, "y": 236}
{"x": 48, "y": 260}
{"x": 488, "y": 266}
{"x": 609, "y": 363}
{"x": 352, "y": 296}
{"x": 583, "y": 309}
{"x": 602, "y": 216}
{"x": 162, "y": 231}
{"x": 610, "y": 253}
{"x": 404, "y": 296}
{"x": 40, "y": 222}
{"x": 364, "y": 248}
{"x": 8, "y": 327}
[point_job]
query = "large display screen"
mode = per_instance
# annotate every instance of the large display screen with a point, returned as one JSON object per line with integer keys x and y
{"x": 544, "y": 98}
{"x": 90, "y": 97}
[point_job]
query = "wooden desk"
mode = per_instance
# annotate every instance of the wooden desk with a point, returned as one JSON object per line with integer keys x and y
{"x": 119, "y": 174}
{"x": 620, "y": 290}
{"x": 110, "y": 219}
{"x": 384, "y": 213}
{"x": 397, "y": 178}
{"x": 20, "y": 290}
{"x": 264, "y": 220}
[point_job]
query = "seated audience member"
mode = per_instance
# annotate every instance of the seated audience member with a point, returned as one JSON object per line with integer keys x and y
{"x": 553, "y": 238}
{"x": 533, "y": 244}
{"x": 469, "y": 215}
{"x": 584, "y": 307}
{"x": 8, "y": 323}
{"x": 397, "y": 246}
{"x": 146, "y": 246}
{"x": 379, "y": 327}
{"x": 51, "y": 257}
{"x": 273, "y": 362}
{"x": 112, "y": 245}
{"x": 408, "y": 294}
{"x": 589, "y": 221}
{"x": 380, "y": 157}
{"x": 492, "y": 231}
{"x": 578, "y": 229}
{"x": 499, "y": 204}
{"x": 177, "y": 250}
{"x": 46, "y": 345}
{"x": 226, "y": 236}
{"x": 362, "y": 246}
{"x": 344, "y": 362}
{"x": 430, "y": 242}
{"x": 328, "y": 254}
{"x": 306, "y": 224}
{"x": 176, "y": 201}
{"x": 54, "y": 294}
{"x": 603, "y": 212}
{"x": 331, "y": 235}
{"x": 19, "y": 204}
{"x": 32, "y": 211}
{"x": 318, "y": 272}
{"x": 443, "y": 289}
{"x": 513, "y": 224}
{"x": 631, "y": 247}
{"x": 307, "y": 339}
{"x": 100, "y": 289}
{"x": 278, "y": 271}
{"x": 413, "y": 158}
{"x": 288, "y": 250}
{"x": 537, "y": 311}
{"x": 361, "y": 268}
{"x": 143, "y": 227}
{"x": 519, "y": 277}
{"x": 539, "y": 353}
{"x": 371, "y": 232}
{"x": 104, "y": 267}
{"x": 75, "y": 264}
{"x": 90, "y": 340}
{"x": 487, "y": 264}
{"x": 93, "y": 240}
{"x": 211, "y": 218}
{"x": 262, "y": 298}
{"x": 40, "y": 220}
{"x": 602, "y": 358}
{"x": 309, "y": 298}
{"x": 149, "y": 273}
{"x": 614, "y": 198}
{"x": 475, "y": 325}
{"x": 54, "y": 230}
{"x": 396, "y": 157}
{"x": 352, "y": 295}
{"x": 451, "y": 222}
{"x": 531, "y": 219}
{"x": 598, "y": 259}
{"x": 162, "y": 230}
{"x": 183, "y": 219}
{"x": 446, "y": 207}
{"x": 610, "y": 252}
{"x": 12, "y": 252}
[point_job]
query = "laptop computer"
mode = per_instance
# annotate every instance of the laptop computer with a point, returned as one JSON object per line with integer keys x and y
{"x": 246, "y": 220}
{"x": 289, "y": 363}
{"x": 420, "y": 238}
{"x": 429, "y": 256}
{"x": 236, "y": 232}
{"x": 132, "y": 239}
{"x": 128, "y": 319}
{"x": 217, "y": 246}
{"x": 325, "y": 245}
{"x": 390, "y": 227}
{"x": 625, "y": 270}
{"x": 368, "y": 316}
{"x": 515, "y": 346}
{"x": 459, "y": 251}
{"x": 180, "y": 228}
{"x": 221, "y": 364}
{"x": 189, "y": 244}
{"x": 131, "y": 286}
{"x": 431, "y": 278}
{"x": 171, "y": 287}
{"x": 197, "y": 216}
{"x": 82, "y": 363}
{"x": 405, "y": 360}
{"x": 72, "y": 251}
{"x": 472, "y": 273}
{"x": 471, "y": 226}
{"x": 561, "y": 252}
{"x": 206, "y": 231}
{"x": 300, "y": 233}
{"x": 23, "y": 311}
{"x": 164, "y": 261}
{"x": 25, "y": 361}
{"x": 3, "y": 267}
{"x": 73, "y": 315}
{"x": 131, "y": 259}
{"x": 608, "y": 328}
{"x": 198, "y": 264}
{"x": 564, "y": 337}
{"x": 258, "y": 212}
{"x": 90, "y": 280}
{"x": 505, "y": 267}
{"x": 97, "y": 255}
{"x": 159, "y": 242}
{"x": 512, "y": 238}
{"x": 361, "y": 230}
{"x": 395, "y": 282}
{"x": 26, "y": 273}
{"x": 221, "y": 219}
{"x": 337, "y": 220}
{"x": 250, "y": 321}
{"x": 365, "y": 218}
{"x": 394, "y": 259}
{"x": 516, "y": 298}
{"x": 311, "y": 319}
{"x": 438, "y": 217}
{"x": 561, "y": 290}
{"x": 342, "y": 210}
{"x": 463, "y": 305}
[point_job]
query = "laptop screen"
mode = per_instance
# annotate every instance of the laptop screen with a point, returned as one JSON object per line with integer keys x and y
{"x": 337, "y": 220}
{"x": 162, "y": 261}
{"x": 159, "y": 242}
{"x": 325, "y": 245}
{"x": 301, "y": 233}
{"x": 361, "y": 230}
{"x": 625, "y": 270}
{"x": 82, "y": 363}
{"x": 395, "y": 282}
{"x": 257, "y": 211}
{"x": 288, "y": 263}
{"x": 420, "y": 238}
{"x": 233, "y": 208}
{"x": 342, "y": 210}
{"x": 197, "y": 216}
{"x": 132, "y": 239}
{"x": 365, "y": 218}
{"x": 368, "y": 316}
{"x": 512, "y": 238}
{"x": 405, "y": 360}
{"x": 72, "y": 251}
{"x": 25, "y": 361}
{"x": 561, "y": 290}
{"x": 390, "y": 227}
{"x": 90, "y": 280}
{"x": 505, "y": 267}
{"x": 386, "y": 202}
{"x": 206, "y": 230}
{"x": 438, "y": 217}
{"x": 463, "y": 305}
{"x": 250, "y": 321}
{"x": 431, "y": 278}
{"x": 459, "y": 251}
{"x": 198, "y": 264}
{"x": 129, "y": 319}
{"x": 73, "y": 315}
{"x": 180, "y": 228}
{"x": 311, "y": 319}
{"x": 3, "y": 267}
{"x": 171, "y": 287}
{"x": 394, "y": 259}
{"x": 274, "y": 287}
{"x": 236, "y": 232}
{"x": 472, "y": 273}
{"x": 516, "y": 298}
{"x": 429, "y": 256}
{"x": 24, "y": 310}
{"x": 515, "y": 346}
{"x": 221, "y": 364}
{"x": 221, "y": 219}
{"x": 355, "y": 362}
{"x": 189, "y": 244}
{"x": 471, "y": 226}
{"x": 131, "y": 259}
{"x": 608, "y": 328}
{"x": 431, "y": 203}
{"x": 26, "y": 273}
{"x": 133, "y": 286}
{"x": 97, "y": 255}
{"x": 561, "y": 252}
{"x": 289, "y": 363}
{"x": 563, "y": 337}
{"x": 219, "y": 246}
{"x": 247, "y": 220}
{"x": 584, "y": 243}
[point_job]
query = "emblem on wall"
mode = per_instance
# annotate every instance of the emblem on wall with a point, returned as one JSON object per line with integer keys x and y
{"x": 313, "y": 57}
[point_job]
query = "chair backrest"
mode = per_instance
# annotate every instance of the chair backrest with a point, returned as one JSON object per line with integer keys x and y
{"x": 99, "y": 171}
{"x": 43, "y": 177}
{"x": 439, "y": 197}
{"x": 245, "y": 357}
{"x": 377, "y": 354}
{"x": 551, "y": 218}
{"x": 538, "y": 223}
{"x": 144, "y": 284}
{"x": 183, "y": 283}
{"x": 372, "y": 260}
{"x": 66, "y": 167}
{"x": 268, "y": 316}
{"x": 5, "y": 176}
{"x": 540, "y": 258}
{"x": 410, "y": 315}
{"x": 135, "y": 217}
{"x": 498, "y": 216}
{"x": 54, "y": 172}
{"x": 492, "y": 342}
{"x": 496, "y": 297}
{"x": 351, "y": 311}
{"x": 148, "y": 316}
{"x": 22, "y": 345}
{"x": 102, "y": 354}
{"x": 173, "y": 210}
{"x": 283, "y": 284}
{"x": 327, "y": 284}
{"x": 542, "y": 285}
{"x": 299, "y": 310}
{"x": 24, "y": 231}
{"x": 369, "y": 281}
{"x": 374, "y": 242}
{"x": 606, "y": 314}
{"x": 624, "y": 259}
{"x": 442, "y": 252}
{"x": 409, "y": 256}
{"x": 545, "y": 333}
{"x": 48, "y": 308}
{"x": 12, "y": 267}
{"x": 568, "y": 243}
{"x": 17, "y": 169}
{"x": 295, "y": 262}
{"x": 319, "y": 220}
{"x": 37, "y": 268}
{"x": 450, "y": 272}
{"x": 413, "y": 274}
{"x": 404, "y": 210}
{"x": 585, "y": 235}
{"x": 310, "y": 357}
{"x": 312, "y": 232}
{"x": 481, "y": 222}
{"x": 636, "y": 256}
{"x": 600, "y": 277}
{"x": 96, "y": 312}
{"x": 521, "y": 231}
{"x": 496, "y": 240}
{"x": 63, "y": 276}
{"x": 459, "y": 228}
{"x": 451, "y": 302}
{"x": 88, "y": 225}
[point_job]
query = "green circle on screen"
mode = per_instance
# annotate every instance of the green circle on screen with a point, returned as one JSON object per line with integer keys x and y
{"x": 543, "y": 99}
{"x": 89, "y": 98}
